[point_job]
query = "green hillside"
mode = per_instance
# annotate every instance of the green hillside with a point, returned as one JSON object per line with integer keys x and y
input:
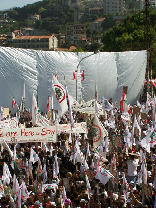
{"x": 54, "y": 17}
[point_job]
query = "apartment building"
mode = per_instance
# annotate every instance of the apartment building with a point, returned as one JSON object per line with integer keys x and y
{"x": 92, "y": 3}
{"x": 45, "y": 43}
{"x": 114, "y": 6}
{"x": 97, "y": 24}
{"x": 78, "y": 14}
{"x": 76, "y": 33}
{"x": 65, "y": 2}
{"x": 3, "y": 41}
{"x": 61, "y": 39}
{"x": 34, "y": 17}
{"x": 152, "y": 3}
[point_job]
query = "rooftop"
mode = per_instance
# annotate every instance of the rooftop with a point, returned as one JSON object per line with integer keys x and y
{"x": 100, "y": 19}
{"x": 33, "y": 37}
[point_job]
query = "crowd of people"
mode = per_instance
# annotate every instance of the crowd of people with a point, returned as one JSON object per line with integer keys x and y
{"x": 58, "y": 179}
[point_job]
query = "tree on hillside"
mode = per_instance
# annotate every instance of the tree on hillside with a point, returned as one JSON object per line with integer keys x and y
{"x": 131, "y": 35}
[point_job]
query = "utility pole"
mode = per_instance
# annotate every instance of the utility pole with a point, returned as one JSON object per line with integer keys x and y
{"x": 148, "y": 74}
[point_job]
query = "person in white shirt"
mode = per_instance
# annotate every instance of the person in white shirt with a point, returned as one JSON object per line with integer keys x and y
{"x": 133, "y": 163}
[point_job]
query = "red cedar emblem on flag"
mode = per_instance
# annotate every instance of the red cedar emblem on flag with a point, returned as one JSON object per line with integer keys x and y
{"x": 13, "y": 102}
{"x": 96, "y": 131}
{"x": 60, "y": 94}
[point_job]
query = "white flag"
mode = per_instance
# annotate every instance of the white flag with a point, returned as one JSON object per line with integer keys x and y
{"x": 44, "y": 171}
{"x": 54, "y": 170}
{"x": 98, "y": 131}
{"x": 34, "y": 109}
{"x": 64, "y": 194}
{"x": 6, "y": 174}
{"x": 33, "y": 156}
{"x": 103, "y": 175}
{"x": 57, "y": 166}
{"x": 75, "y": 151}
{"x": 144, "y": 172}
{"x": 19, "y": 199}
{"x": 145, "y": 142}
{"x": 22, "y": 106}
{"x": 16, "y": 186}
{"x": 24, "y": 191}
{"x": 59, "y": 98}
{"x": 106, "y": 105}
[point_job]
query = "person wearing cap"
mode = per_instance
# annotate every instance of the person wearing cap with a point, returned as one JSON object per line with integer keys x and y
{"x": 132, "y": 185}
{"x": 67, "y": 203}
{"x": 82, "y": 203}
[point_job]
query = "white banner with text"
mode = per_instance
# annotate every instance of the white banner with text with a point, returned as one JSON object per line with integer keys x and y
{"x": 22, "y": 135}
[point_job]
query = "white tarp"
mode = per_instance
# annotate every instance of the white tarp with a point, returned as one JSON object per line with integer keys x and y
{"x": 110, "y": 71}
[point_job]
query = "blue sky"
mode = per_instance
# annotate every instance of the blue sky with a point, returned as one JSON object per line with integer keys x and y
{"x": 7, "y": 4}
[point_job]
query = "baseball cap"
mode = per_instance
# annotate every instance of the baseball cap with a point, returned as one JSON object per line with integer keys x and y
{"x": 67, "y": 201}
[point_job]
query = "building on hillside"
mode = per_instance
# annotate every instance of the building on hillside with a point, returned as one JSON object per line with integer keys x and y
{"x": 10, "y": 37}
{"x": 3, "y": 22}
{"x": 114, "y": 6}
{"x": 92, "y": 3}
{"x": 76, "y": 33}
{"x": 78, "y": 14}
{"x": 152, "y": 3}
{"x": 17, "y": 32}
{"x": 61, "y": 39}
{"x": 96, "y": 11}
{"x": 141, "y": 4}
{"x": 65, "y": 2}
{"x": 119, "y": 18}
{"x": 76, "y": 3}
{"x": 29, "y": 31}
{"x": 97, "y": 24}
{"x": 71, "y": 48}
{"x": 3, "y": 40}
{"x": 44, "y": 43}
{"x": 34, "y": 17}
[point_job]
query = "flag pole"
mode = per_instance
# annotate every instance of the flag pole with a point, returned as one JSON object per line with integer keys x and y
{"x": 24, "y": 98}
{"x": 52, "y": 103}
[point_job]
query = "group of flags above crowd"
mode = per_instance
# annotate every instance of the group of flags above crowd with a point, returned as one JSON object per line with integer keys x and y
{"x": 61, "y": 102}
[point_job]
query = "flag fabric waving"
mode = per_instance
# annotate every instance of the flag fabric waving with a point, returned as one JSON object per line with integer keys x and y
{"x": 124, "y": 102}
{"x": 34, "y": 109}
{"x": 48, "y": 103}
{"x": 59, "y": 97}
{"x": 13, "y": 102}
{"x": 98, "y": 132}
{"x": 74, "y": 75}
{"x": 103, "y": 175}
{"x": 82, "y": 76}
{"x": 22, "y": 106}
{"x": 106, "y": 105}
